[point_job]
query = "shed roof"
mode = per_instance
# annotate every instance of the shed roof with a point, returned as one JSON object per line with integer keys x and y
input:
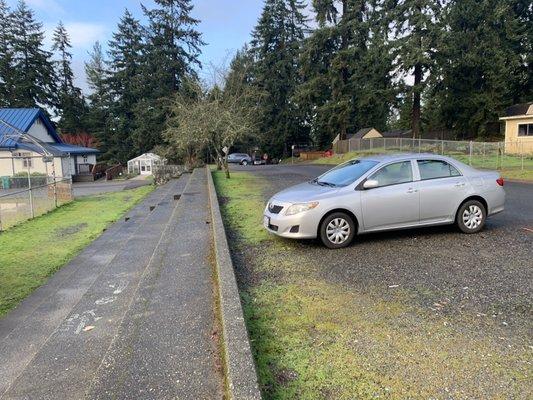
{"x": 147, "y": 156}
{"x": 397, "y": 133}
{"x": 519, "y": 109}
{"x": 360, "y": 133}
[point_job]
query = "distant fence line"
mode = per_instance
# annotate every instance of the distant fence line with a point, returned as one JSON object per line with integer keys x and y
{"x": 495, "y": 155}
{"x": 163, "y": 173}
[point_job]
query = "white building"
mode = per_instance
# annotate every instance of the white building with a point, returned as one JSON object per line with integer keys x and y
{"x": 18, "y": 155}
{"x": 145, "y": 163}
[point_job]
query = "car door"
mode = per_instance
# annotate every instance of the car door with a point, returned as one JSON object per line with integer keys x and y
{"x": 394, "y": 203}
{"x": 442, "y": 188}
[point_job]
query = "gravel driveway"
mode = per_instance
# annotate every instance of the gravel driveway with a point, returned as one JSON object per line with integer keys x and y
{"x": 490, "y": 273}
{"x": 422, "y": 313}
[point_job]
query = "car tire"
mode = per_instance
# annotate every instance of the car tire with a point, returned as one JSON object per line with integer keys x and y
{"x": 244, "y": 162}
{"x": 471, "y": 216}
{"x": 337, "y": 230}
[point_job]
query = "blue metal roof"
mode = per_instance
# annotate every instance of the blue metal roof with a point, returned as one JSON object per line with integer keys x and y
{"x": 72, "y": 149}
{"x": 23, "y": 119}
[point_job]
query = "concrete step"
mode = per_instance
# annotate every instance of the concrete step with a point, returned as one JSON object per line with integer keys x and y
{"x": 97, "y": 254}
{"x": 164, "y": 348}
{"x": 55, "y": 325}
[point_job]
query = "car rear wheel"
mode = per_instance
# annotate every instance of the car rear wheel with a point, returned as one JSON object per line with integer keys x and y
{"x": 337, "y": 230}
{"x": 471, "y": 216}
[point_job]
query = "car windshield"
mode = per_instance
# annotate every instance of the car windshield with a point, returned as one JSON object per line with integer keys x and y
{"x": 345, "y": 173}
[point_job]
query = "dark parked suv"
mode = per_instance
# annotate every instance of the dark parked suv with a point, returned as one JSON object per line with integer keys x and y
{"x": 239, "y": 158}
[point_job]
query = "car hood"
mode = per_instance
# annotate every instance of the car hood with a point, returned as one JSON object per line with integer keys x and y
{"x": 304, "y": 192}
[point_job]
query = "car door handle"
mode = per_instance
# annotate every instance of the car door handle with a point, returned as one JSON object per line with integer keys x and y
{"x": 412, "y": 190}
{"x": 460, "y": 184}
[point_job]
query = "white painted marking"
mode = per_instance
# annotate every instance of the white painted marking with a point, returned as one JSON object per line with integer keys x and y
{"x": 105, "y": 300}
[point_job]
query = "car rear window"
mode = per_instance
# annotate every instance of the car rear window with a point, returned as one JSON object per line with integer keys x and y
{"x": 434, "y": 169}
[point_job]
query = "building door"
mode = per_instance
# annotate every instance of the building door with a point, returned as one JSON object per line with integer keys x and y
{"x": 145, "y": 167}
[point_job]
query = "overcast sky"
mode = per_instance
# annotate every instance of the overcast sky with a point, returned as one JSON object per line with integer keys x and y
{"x": 225, "y": 24}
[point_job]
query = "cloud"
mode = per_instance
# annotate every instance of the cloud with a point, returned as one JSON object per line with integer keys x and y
{"x": 50, "y": 6}
{"x": 84, "y": 34}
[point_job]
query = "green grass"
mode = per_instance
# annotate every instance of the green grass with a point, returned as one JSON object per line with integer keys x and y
{"x": 315, "y": 339}
{"x": 509, "y": 166}
{"x": 244, "y": 210}
{"x": 32, "y": 251}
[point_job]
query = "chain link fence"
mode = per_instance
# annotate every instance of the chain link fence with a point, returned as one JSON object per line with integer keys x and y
{"x": 489, "y": 155}
{"x": 27, "y": 195}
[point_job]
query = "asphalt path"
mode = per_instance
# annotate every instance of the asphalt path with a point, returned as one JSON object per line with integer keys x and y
{"x": 131, "y": 317}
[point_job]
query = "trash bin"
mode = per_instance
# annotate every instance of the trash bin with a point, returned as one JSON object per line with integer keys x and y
{"x": 6, "y": 182}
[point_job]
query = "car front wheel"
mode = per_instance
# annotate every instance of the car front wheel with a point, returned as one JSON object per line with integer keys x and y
{"x": 244, "y": 162}
{"x": 337, "y": 230}
{"x": 471, "y": 216}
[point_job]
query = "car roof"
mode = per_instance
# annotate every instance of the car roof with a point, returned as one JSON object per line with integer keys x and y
{"x": 403, "y": 156}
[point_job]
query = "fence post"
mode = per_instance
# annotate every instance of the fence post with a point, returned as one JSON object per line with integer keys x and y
{"x": 419, "y": 145}
{"x": 349, "y": 146}
{"x": 470, "y": 153}
{"x": 499, "y": 160}
{"x": 30, "y": 192}
{"x": 522, "y": 154}
{"x": 442, "y": 147}
{"x": 54, "y": 178}
{"x": 0, "y": 217}
{"x": 400, "y": 145}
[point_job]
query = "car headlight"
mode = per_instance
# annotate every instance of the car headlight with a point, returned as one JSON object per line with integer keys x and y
{"x": 301, "y": 207}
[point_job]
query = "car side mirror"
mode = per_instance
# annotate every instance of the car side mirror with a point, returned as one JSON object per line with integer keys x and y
{"x": 370, "y": 184}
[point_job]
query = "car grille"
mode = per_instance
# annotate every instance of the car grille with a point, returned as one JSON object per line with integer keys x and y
{"x": 274, "y": 209}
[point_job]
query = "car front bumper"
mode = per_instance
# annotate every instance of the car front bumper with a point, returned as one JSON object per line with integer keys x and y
{"x": 303, "y": 225}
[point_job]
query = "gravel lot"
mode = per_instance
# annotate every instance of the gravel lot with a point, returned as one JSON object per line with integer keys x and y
{"x": 490, "y": 273}
{"x": 424, "y": 313}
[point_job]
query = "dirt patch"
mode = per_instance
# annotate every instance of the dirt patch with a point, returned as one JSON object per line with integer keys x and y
{"x": 70, "y": 230}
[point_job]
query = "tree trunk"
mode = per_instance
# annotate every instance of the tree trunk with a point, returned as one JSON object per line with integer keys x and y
{"x": 226, "y": 168}
{"x": 218, "y": 160}
{"x": 344, "y": 70}
{"x": 415, "y": 120}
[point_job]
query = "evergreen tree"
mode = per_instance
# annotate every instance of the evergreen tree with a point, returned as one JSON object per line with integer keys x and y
{"x": 97, "y": 117}
{"x": 70, "y": 103}
{"x": 417, "y": 32}
{"x": 374, "y": 93}
{"x": 481, "y": 65}
{"x": 346, "y": 66}
{"x": 314, "y": 94}
{"x": 171, "y": 55}
{"x": 6, "y": 55}
{"x": 173, "y": 46}
{"x": 32, "y": 72}
{"x": 275, "y": 45}
{"x": 126, "y": 85}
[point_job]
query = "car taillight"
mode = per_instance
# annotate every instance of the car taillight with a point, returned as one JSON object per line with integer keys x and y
{"x": 499, "y": 181}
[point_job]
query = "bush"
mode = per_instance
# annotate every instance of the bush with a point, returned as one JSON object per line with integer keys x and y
{"x": 20, "y": 180}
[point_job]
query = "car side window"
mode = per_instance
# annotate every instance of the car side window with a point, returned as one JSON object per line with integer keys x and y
{"x": 434, "y": 169}
{"x": 394, "y": 174}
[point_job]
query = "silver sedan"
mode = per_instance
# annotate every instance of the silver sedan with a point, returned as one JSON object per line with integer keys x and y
{"x": 381, "y": 193}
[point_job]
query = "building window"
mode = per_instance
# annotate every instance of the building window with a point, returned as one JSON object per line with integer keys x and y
{"x": 26, "y": 159}
{"x": 85, "y": 159}
{"x": 525, "y": 129}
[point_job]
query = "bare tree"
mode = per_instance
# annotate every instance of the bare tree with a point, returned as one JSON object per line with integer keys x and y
{"x": 213, "y": 118}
